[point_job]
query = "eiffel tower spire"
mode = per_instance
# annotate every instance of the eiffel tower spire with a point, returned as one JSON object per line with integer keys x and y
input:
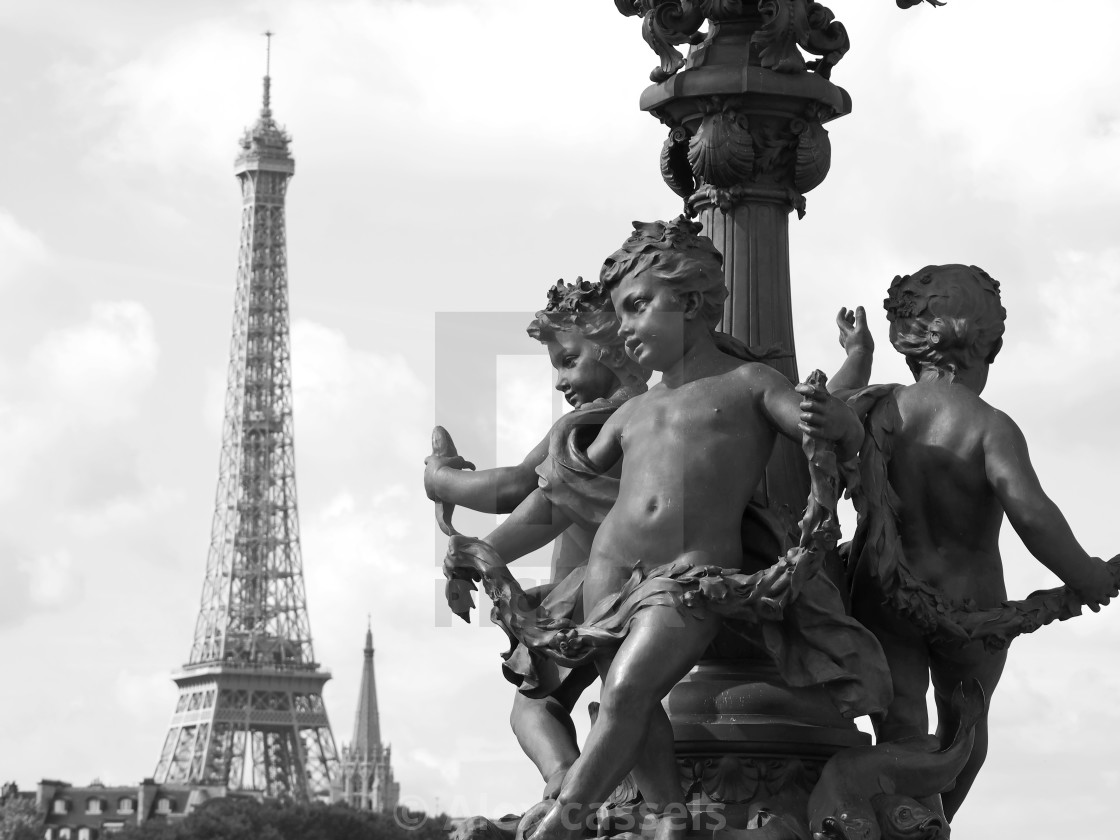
{"x": 250, "y": 714}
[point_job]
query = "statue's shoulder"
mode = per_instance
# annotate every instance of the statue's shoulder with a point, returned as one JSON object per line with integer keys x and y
{"x": 594, "y": 413}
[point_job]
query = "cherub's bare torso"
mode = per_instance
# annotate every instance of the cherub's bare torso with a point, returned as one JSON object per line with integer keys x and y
{"x": 692, "y": 456}
{"x": 950, "y": 517}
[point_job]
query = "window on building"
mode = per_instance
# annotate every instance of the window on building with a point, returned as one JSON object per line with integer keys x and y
{"x": 163, "y": 805}
{"x": 125, "y": 806}
{"x": 85, "y": 834}
{"x": 64, "y": 834}
{"x": 60, "y": 806}
{"x": 93, "y": 806}
{"x": 49, "y": 834}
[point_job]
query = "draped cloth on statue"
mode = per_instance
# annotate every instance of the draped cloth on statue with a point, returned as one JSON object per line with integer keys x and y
{"x": 790, "y": 608}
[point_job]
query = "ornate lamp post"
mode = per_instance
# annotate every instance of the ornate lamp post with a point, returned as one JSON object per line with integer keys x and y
{"x": 746, "y": 113}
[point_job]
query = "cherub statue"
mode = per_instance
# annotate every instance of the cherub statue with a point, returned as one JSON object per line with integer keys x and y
{"x": 940, "y": 469}
{"x": 596, "y": 376}
{"x": 688, "y": 455}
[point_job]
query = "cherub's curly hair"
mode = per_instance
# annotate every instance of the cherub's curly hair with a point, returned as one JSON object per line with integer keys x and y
{"x": 946, "y": 318}
{"x": 585, "y": 308}
{"x": 676, "y": 253}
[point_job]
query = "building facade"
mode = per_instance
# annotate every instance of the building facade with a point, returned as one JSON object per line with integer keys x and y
{"x": 96, "y": 810}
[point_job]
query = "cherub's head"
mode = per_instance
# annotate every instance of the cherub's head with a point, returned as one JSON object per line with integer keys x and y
{"x": 581, "y": 333}
{"x": 664, "y": 281}
{"x": 946, "y": 318}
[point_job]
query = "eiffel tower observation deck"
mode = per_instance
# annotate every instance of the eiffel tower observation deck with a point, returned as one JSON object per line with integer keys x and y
{"x": 250, "y": 715}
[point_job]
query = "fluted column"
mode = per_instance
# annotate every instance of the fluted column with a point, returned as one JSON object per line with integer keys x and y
{"x": 746, "y": 141}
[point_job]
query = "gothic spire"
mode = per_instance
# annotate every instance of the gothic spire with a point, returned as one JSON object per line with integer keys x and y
{"x": 367, "y": 722}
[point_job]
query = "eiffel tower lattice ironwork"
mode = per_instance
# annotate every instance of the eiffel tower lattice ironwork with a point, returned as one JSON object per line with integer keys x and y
{"x": 250, "y": 714}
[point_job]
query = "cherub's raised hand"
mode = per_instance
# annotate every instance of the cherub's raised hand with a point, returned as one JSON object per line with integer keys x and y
{"x": 854, "y": 334}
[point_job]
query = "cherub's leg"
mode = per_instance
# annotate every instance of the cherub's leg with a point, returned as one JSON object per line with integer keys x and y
{"x": 908, "y": 658}
{"x": 950, "y": 668}
{"x": 661, "y": 647}
{"x": 545, "y": 731}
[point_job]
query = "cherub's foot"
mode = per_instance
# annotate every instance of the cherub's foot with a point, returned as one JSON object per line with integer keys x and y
{"x": 552, "y": 783}
{"x": 671, "y": 824}
{"x": 559, "y": 823}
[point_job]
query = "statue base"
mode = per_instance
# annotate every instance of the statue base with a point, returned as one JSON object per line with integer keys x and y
{"x": 750, "y": 748}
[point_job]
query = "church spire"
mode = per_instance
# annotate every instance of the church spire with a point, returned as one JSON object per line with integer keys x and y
{"x": 367, "y": 721}
{"x": 367, "y": 770}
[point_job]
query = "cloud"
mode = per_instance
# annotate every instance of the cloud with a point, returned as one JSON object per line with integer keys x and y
{"x": 525, "y": 405}
{"x": 52, "y": 579}
{"x": 20, "y": 248}
{"x": 352, "y": 405}
{"x": 144, "y": 695}
{"x": 97, "y": 368}
{"x": 165, "y": 109}
{"x": 77, "y": 385}
{"x": 1068, "y": 154}
{"x": 1085, "y": 282}
{"x": 109, "y": 512}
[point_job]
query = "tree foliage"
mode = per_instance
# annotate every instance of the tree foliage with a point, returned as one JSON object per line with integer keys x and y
{"x": 20, "y": 820}
{"x": 243, "y": 818}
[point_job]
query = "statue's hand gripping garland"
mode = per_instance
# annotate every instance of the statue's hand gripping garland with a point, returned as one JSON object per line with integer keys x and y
{"x": 795, "y": 613}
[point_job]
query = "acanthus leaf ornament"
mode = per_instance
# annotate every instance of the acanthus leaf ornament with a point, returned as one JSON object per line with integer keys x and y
{"x": 784, "y": 23}
{"x": 789, "y": 24}
{"x": 665, "y": 25}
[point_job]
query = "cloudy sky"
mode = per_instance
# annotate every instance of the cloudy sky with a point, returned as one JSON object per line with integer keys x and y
{"x": 457, "y": 157}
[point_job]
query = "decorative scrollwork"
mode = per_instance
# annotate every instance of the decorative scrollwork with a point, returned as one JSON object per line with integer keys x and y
{"x": 666, "y": 24}
{"x": 789, "y": 24}
{"x": 729, "y": 9}
{"x": 675, "y": 167}
{"x": 735, "y": 779}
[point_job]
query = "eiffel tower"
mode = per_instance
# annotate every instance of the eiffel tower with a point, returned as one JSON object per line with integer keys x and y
{"x": 250, "y": 714}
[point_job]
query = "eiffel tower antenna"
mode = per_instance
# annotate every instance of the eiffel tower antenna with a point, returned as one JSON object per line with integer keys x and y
{"x": 250, "y": 714}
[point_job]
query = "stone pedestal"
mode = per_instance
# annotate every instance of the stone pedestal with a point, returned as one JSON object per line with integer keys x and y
{"x": 750, "y": 748}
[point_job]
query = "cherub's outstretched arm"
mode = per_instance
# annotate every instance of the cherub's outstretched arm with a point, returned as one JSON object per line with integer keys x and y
{"x": 533, "y": 524}
{"x": 497, "y": 490}
{"x": 537, "y": 521}
{"x": 1036, "y": 519}
{"x": 859, "y": 346}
